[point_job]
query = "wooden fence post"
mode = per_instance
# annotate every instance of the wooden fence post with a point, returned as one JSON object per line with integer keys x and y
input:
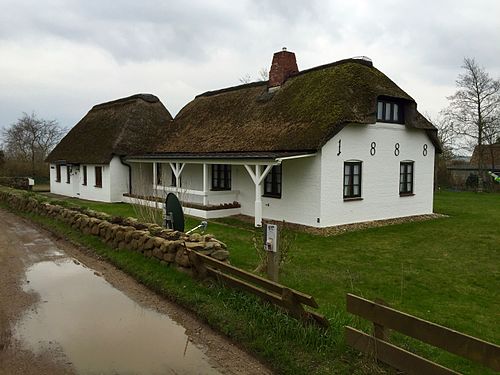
{"x": 294, "y": 307}
{"x": 380, "y": 331}
{"x": 199, "y": 269}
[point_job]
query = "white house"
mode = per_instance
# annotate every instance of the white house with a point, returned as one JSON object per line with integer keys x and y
{"x": 335, "y": 144}
{"x": 88, "y": 163}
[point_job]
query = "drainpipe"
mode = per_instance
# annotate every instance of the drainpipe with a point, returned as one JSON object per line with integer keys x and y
{"x": 129, "y": 174}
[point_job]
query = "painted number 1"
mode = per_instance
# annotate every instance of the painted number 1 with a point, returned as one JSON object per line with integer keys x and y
{"x": 340, "y": 146}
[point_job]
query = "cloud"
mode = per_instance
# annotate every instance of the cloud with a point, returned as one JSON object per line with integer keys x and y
{"x": 60, "y": 57}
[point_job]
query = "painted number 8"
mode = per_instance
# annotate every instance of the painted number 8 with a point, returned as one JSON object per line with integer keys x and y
{"x": 396, "y": 149}
{"x": 424, "y": 150}
{"x": 372, "y": 148}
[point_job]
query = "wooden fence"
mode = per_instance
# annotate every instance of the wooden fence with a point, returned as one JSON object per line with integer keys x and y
{"x": 385, "y": 318}
{"x": 291, "y": 300}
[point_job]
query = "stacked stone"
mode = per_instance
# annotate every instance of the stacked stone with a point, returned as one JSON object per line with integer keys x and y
{"x": 151, "y": 240}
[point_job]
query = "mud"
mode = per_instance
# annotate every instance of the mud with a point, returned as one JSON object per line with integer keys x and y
{"x": 64, "y": 311}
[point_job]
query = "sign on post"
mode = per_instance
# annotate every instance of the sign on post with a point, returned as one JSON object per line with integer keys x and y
{"x": 271, "y": 243}
{"x": 273, "y": 255}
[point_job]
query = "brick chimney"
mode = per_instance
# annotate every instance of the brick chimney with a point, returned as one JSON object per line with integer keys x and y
{"x": 283, "y": 66}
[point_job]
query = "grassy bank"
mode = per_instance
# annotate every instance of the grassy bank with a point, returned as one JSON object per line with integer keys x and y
{"x": 445, "y": 270}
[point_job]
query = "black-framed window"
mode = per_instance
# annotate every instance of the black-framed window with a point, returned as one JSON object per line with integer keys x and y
{"x": 84, "y": 173}
{"x": 390, "y": 111}
{"x": 272, "y": 182}
{"x": 98, "y": 177}
{"x": 221, "y": 177}
{"x": 68, "y": 174}
{"x": 158, "y": 173}
{"x": 58, "y": 172}
{"x": 406, "y": 170}
{"x": 352, "y": 179}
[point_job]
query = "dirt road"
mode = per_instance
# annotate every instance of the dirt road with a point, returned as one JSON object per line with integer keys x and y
{"x": 63, "y": 311}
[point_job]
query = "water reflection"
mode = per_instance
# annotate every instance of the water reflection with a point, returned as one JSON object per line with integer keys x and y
{"x": 100, "y": 329}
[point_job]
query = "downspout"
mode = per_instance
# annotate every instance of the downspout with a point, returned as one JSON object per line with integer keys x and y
{"x": 129, "y": 174}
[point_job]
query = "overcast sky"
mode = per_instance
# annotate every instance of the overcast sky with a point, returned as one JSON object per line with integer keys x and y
{"x": 60, "y": 57}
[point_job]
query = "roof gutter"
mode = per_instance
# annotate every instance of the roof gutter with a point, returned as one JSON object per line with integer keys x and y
{"x": 279, "y": 160}
{"x": 129, "y": 174}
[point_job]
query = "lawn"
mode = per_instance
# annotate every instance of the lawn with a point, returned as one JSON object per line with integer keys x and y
{"x": 445, "y": 270}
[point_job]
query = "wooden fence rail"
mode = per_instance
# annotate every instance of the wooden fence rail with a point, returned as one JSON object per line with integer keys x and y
{"x": 289, "y": 299}
{"x": 384, "y": 318}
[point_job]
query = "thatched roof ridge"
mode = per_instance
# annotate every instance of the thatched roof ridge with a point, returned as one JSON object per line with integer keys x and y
{"x": 126, "y": 126}
{"x": 303, "y": 114}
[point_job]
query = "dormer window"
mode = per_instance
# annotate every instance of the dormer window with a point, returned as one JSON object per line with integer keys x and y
{"x": 389, "y": 111}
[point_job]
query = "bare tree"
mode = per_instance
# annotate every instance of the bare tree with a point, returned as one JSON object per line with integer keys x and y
{"x": 31, "y": 139}
{"x": 263, "y": 74}
{"x": 474, "y": 109}
{"x": 245, "y": 79}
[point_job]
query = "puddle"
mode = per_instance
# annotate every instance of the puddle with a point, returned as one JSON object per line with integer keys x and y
{"x": 99, "y": 329}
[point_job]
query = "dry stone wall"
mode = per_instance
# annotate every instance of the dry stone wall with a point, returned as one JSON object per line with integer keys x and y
{"x": 165, "y": 245}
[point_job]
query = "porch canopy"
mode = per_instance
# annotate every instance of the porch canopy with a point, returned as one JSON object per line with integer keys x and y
{"x": 257, "y": 164}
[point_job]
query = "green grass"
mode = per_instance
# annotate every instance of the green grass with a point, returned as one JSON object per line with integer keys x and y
{"x": 445, "y": 270}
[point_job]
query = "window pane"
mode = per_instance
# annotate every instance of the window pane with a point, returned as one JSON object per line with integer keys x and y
{"x": 346, "y": 180}
{"x": 388, "y": 111}
{"x": 395, "y": 116}
{"x": 346, "y": 169}
{"x": 355, "y": 180}
{"x": 346, "y": 191}
{"x": 356, "y": 169}
{"x": 409, "y": 168}
{"x": 380, "y": 110}
{"x": 408, "y": 187}
{"x": 355, "y": 190}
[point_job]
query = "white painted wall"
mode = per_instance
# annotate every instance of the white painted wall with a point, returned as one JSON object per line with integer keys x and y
{"x": 90, "y": 191}
{"x": 380, "y": 174}
{"x": 114, "y": 182}
{"x": 119, "y": 179}
{"x": 142, "y": 178}
{"x": 191, "y": 177}
{"x": 62, "y": 187}
{"x": 300, "y": 196}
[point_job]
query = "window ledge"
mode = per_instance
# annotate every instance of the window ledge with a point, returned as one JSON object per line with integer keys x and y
{"x": 100, "y": 187}
{"x": 406, "y": 194}
{"x": 217, "y": 189}
{"x": 391, "y": 122}
{"x": 353, "y": 199}
{"x": 271, "y": 196}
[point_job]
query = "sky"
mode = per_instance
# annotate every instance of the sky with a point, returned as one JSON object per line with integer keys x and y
{"x": 58, "y": 58}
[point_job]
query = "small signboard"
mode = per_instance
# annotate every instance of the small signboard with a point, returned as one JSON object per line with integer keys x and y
{"x": 31, "y": 182}
{"x": 271, "y": 238}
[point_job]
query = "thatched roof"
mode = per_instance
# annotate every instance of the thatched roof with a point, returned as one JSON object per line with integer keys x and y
{"x": 302, "y": 115}
{"x": 491, "y": 156}
{"x": 121, "y": 127}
